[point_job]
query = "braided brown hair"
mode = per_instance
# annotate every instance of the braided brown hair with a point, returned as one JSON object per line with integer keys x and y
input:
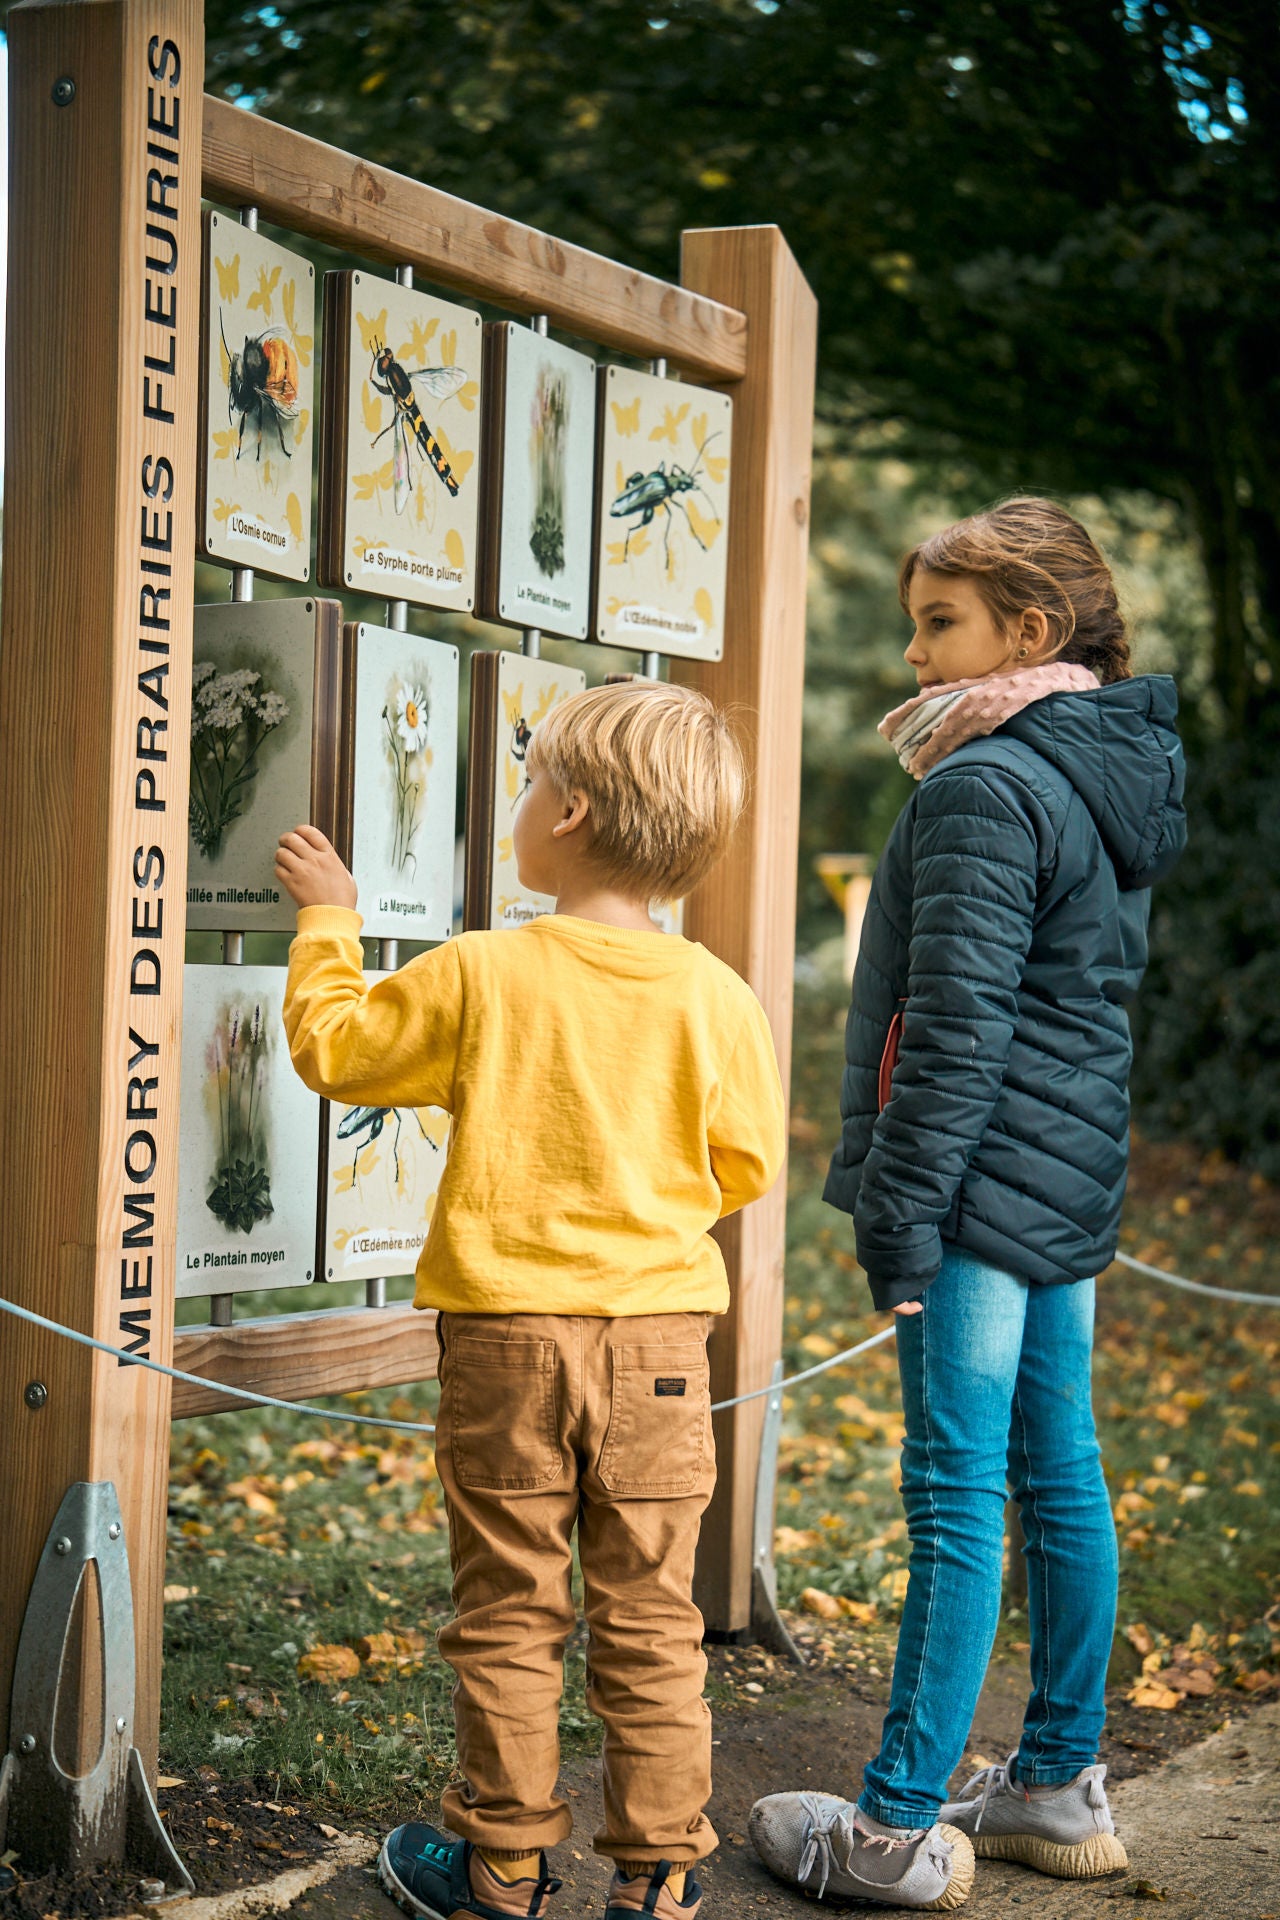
{"x": 1029, "y": 552}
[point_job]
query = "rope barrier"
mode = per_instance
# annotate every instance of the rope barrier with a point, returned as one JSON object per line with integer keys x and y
{"x": 720, "y": 1406}
{"x": 1198, "y": 1286}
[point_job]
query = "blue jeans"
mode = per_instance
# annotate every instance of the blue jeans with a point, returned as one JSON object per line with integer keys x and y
{"x": 995, "y": 1388}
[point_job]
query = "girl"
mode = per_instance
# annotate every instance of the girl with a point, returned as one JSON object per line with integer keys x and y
{"x": 983, "y": 1159}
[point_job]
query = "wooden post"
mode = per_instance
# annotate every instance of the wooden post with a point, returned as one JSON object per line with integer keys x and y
{"x": 746, "y": 910}
{"x": 104, "y": 276}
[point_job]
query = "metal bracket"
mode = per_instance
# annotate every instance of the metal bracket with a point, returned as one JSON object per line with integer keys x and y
{"x": 766, "y": 1621}
{"x": 49, "y": 1816}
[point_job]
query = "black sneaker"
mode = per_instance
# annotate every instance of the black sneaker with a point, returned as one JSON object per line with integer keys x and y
{"x": 431, "y": 1876}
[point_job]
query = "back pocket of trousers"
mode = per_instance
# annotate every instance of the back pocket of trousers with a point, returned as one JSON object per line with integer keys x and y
{"x": 658, "y": 1441}
{"x": 503, "y": 1408}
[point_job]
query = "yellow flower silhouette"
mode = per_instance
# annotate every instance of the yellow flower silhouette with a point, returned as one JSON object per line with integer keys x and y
{"x": 415, "y": 347}
{"x": 671, "y": 419}
{"x": 626, "y": 419}
{"x": 707, "y": 531}
{"x": 460, "y": 463}
{"x": 371, "y": 329}
{"x": 302, "y": 342}
{"x": 262, "y": 294}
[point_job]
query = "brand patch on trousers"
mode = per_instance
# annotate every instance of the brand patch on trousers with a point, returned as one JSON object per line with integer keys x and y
{"x": 667, "y": 1388}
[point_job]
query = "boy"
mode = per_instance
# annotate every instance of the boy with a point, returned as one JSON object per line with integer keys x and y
{"x": 614, "y": 1091}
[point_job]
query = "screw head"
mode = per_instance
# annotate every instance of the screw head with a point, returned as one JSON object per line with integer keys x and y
{"x": 121, "y": 1724}
{"x": 150, "y": 1892}
{"x": 63, "y": 91}
{"x": 62, "y": 1546}
{"x": 36, "y": 1394}
{"x": 27, "y": 1744}
{"x": 113, "y": 1531}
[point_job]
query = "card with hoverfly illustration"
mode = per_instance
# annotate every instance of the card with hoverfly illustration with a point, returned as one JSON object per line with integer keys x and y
{"x": 266, "y": 702}
{"x": 510, "y": 694}
{"x": 380, "y": 1173}
{"x": 399, "y": 443}
{"x": 662, "y": 514}
{"x": 402, "y": 699}
{"x": 539, "y": 472}
{"x": 257, "y": 331}
{"x": 249, "y": 1134}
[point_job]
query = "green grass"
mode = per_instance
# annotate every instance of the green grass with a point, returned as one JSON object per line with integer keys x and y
{"x": 292, "y": 1533}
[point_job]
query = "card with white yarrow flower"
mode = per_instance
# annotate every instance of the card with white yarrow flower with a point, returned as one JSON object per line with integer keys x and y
{"x": 266, "y": 690}
{"x": 403, "y": 698}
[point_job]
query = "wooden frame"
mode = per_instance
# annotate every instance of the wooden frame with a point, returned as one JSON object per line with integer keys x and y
{"x": 102, "y": 478}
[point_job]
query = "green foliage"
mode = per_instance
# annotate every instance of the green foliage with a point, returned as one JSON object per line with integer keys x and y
{"x": 1208, "y": 1023}
{"x": 241, "y": 1195}
{"x": 1043, "y": 238}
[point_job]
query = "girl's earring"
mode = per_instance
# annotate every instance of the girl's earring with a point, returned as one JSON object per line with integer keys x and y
{"x": 1022, "y": 653}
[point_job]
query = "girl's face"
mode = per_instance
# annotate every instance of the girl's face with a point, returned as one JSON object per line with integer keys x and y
{"x": 956, "y": 636}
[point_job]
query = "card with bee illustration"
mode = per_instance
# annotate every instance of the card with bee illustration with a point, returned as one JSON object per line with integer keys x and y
{"x": 539, "y": 473}
{"x": 266, "y": 702}
{"x": 662, "y": 515}
{"x": 257, "y": 415}
{"x": 400, "y": 443}
{"x": 380, "y": 1173}
{"x": 402, "y": 695}
{"x": 250, "y": 1138}
{"x": 510, "y": 694}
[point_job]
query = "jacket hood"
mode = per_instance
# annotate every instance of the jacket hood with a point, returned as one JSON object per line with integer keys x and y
{"x": 1119, "y": 749}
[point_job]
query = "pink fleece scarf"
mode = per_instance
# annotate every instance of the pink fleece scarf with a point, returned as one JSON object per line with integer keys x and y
{"x": 925, "y": 729}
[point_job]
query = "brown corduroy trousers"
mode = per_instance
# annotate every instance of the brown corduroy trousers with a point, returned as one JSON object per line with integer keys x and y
{"x": 548, "y": 1422}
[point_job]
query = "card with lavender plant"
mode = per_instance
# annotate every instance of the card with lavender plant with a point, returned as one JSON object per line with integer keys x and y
{"x": 542, "y": 402}
{"x": 381, "y": 1175}
{"x": 265, "y": 694}
{"x": 404, "y": 759}
{"x": 250, "y": 1138}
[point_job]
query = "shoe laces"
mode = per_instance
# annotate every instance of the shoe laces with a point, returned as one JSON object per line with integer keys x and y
{"x": 993, "y": 1779}
{"x": 824, "y": 1824}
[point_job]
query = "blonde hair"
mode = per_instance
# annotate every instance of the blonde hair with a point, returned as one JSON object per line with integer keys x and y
{"x": 1028, "y": 552}
{"x": 662, "y": 773}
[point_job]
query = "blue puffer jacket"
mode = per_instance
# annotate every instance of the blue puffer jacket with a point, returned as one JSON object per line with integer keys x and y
{"x": 1008, "y": 926}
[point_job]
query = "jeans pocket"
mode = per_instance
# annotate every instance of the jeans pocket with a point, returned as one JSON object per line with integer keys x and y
{"x": 658, "y": 1442}
{"x": 502, "y": 1412}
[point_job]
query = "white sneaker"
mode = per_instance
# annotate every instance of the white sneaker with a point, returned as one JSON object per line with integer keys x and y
{"x": 1066, "y": 1831}
{"x": 825, "y": 1845}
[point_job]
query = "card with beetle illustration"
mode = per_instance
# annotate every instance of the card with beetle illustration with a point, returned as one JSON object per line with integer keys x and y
{"x": 257, "y": 415}
{"x": 249, "y": 1136}
{"x": 400, "y": 443}
{"x": 662, "y": 515}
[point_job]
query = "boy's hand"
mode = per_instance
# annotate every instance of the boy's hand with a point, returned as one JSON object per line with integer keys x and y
{"x": 910, "y": 1306}
{"x": 310, "y": 871}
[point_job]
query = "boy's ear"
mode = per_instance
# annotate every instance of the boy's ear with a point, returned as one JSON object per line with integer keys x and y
{"x": 575, "y": 809}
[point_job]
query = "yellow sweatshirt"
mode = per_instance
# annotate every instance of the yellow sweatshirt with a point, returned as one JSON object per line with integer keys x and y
{"x": 613, "y": 1094}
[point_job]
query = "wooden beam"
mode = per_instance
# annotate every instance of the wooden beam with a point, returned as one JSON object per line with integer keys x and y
{"x": 95, "y": 669}
{"x": 745, "y": 910}
{"x": 308, "y": 187}
{"x": 297, "y": 1356}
